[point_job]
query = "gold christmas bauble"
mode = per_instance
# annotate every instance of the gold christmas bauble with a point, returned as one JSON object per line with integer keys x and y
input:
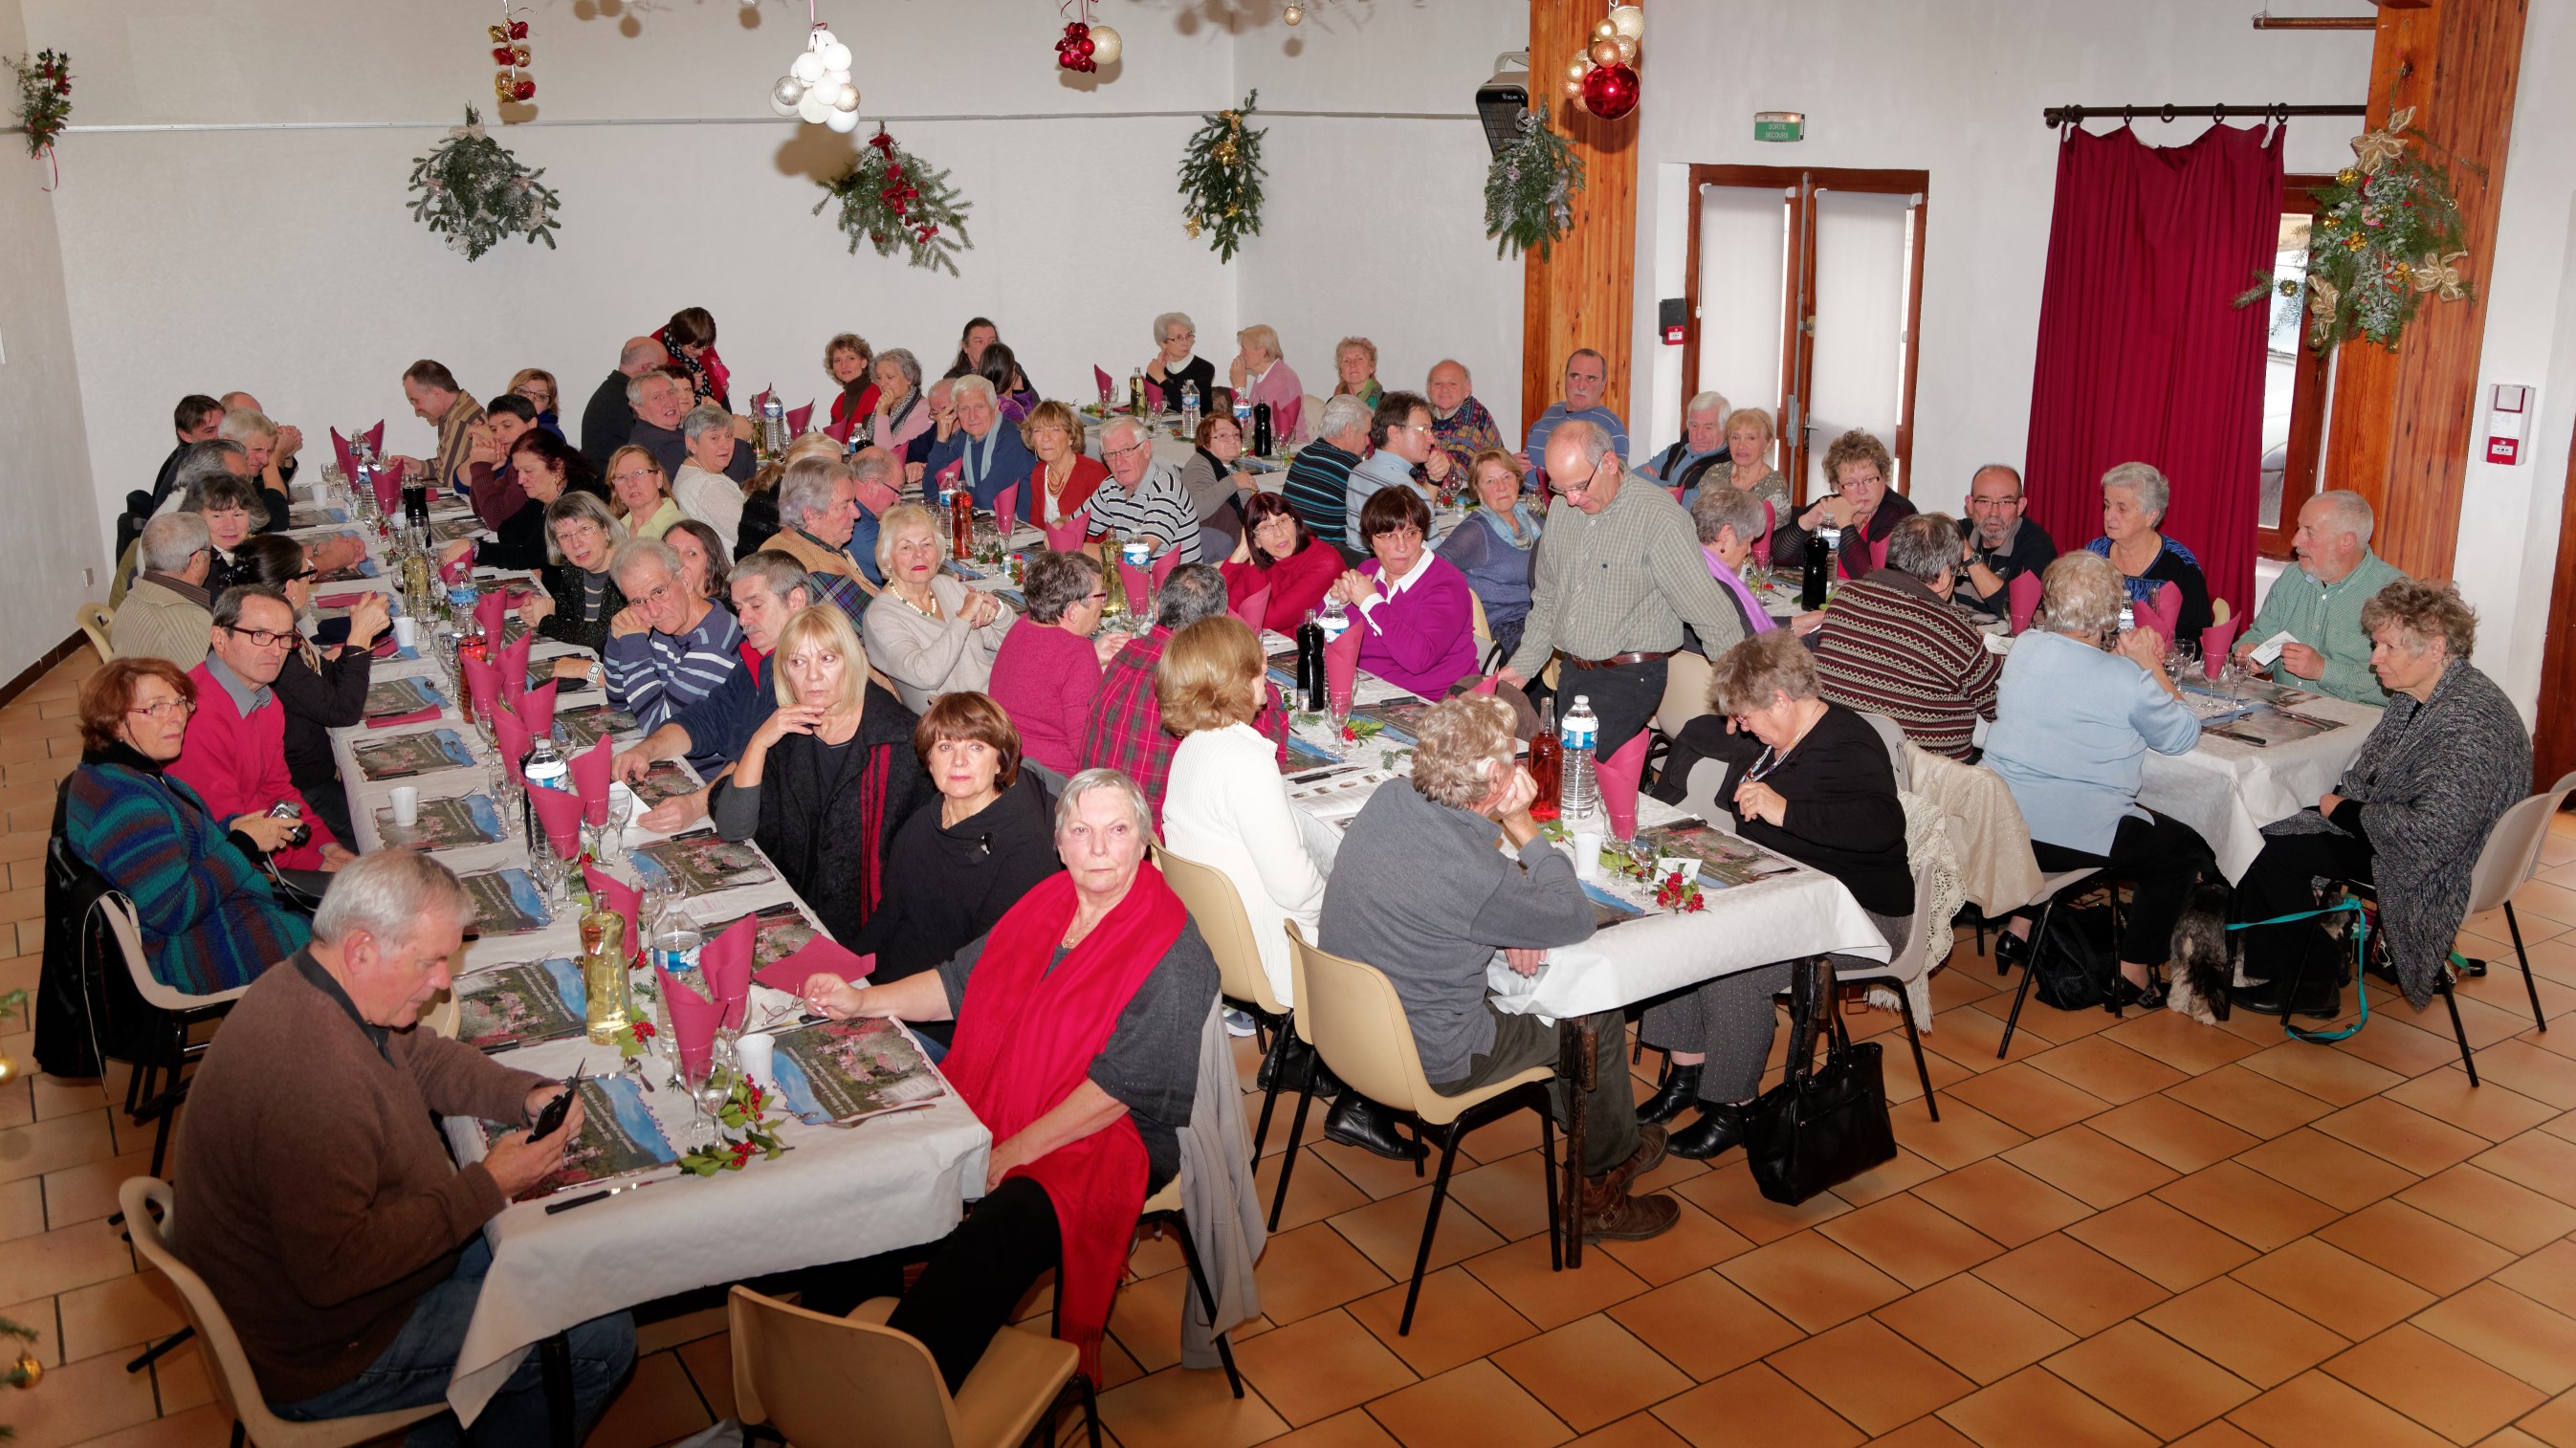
{"x": 1605, "y": 52}
{"x": 1627, "y": 50}
{"x": 28, "y": 1371}
{"x": 1574, "y": 90}
{"x": 1578, "y": 68}
{"x": 1605, "y": 31}
{"x": 1293, "y": 14}
{"x": 8, "y": 1070}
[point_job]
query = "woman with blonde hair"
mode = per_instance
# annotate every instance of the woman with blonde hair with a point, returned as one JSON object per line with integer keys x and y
{"x": 828, "y": 777}
{"x": 538, "y": 386}
{"x": 641, "y": 493}
{"x": 930, "y": 632}
{"x": 1747, "y": 465}
{"x": 1260, "y": 375}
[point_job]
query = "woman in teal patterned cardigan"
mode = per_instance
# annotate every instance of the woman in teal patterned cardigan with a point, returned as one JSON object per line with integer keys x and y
{"x": 210, "y": 921}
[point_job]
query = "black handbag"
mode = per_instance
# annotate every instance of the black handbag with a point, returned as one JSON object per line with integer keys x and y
{"x": 2075, "y": 967}
{"x": 1826, "y": 1123}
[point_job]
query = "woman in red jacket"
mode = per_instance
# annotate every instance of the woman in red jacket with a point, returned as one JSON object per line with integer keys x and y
{"x": 1065, "y": 476}
{"x": 1279, "y": 553}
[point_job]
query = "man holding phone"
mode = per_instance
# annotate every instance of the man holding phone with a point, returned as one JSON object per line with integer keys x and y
{"x": 315, "y": 1194}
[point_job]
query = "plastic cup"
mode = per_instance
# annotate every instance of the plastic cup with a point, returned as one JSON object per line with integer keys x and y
{"x": 1587, "y": 856}
{"x": 406, "y": 631}
{"x": 754, "y": 1054}
{"x": 406, "y": 805}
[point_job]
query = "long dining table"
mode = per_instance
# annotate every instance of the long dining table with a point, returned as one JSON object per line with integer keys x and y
{"x": 838, "y": 1193}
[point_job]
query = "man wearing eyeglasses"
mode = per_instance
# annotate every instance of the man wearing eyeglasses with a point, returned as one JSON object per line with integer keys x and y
{"x": 1402, "y": 454}
{"x": 234, "y": 756}
{"x": 1142, "y": 499}
{"x": 2002, "y": 543}
{"x": 669, "y": 648}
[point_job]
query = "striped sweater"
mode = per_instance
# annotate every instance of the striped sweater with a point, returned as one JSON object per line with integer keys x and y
{"x": 209, "y": 921}
{"x": 653, "y": 675}
{"x": 1892, "y": 646}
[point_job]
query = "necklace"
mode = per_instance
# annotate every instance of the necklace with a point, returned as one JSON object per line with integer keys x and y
{"x": 931, "y": 612}
{"x": 1770, "y": 759}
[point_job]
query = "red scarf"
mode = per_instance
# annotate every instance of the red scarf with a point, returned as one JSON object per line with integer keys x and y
{"x": 1026, "y": 1038}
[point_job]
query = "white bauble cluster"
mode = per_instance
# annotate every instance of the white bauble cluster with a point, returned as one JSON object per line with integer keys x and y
{"x": 817, "y": 87}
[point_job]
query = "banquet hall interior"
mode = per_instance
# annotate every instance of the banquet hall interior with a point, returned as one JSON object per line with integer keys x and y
{"x": 2153, "y": 419}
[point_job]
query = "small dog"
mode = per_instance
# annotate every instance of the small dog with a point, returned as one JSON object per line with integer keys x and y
{"x": 2204, "y": 955}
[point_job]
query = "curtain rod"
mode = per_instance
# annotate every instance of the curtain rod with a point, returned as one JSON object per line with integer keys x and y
{"x": 2077, "y": 115}
{"x": 442, "y": 125}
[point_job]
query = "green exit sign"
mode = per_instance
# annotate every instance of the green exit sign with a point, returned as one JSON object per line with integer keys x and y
{"x": 1779, "y": 126}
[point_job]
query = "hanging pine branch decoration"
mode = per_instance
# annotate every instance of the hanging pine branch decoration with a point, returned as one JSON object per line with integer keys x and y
{"x": 893, "y": 202}
{"x": 1530, "y": 191}
{"x": 473, "y": 191}
{"x": 1221, "y": 180}
{"x": 2387, "y": 234}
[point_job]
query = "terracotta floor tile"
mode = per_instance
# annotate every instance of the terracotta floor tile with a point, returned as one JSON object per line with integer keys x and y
{"x": 709, "y": 1361}
{"x": 1380, "y": 1177}
{"x": 1472, "y": 1404}
{"x": 2179, "y": 1041}
{"x": 179, "y": 1378}
{"x": 2419, "y": 1143}
{"x": 61, "y": 1260}
{"x": 2103, "y": 1067}
{"x": 1389, "y": 1232}
{"x": 2406, "y": 1041}
{"x": 2432, "y": 1254}
{"x": 1591, "y": 1372}
{"x": 1696, "y": 1240}
{"x": 2255, "y": 1337}
{"x": 2334, "y": 1287}
{"x": 2247, "y": 1205}
{"x": 1637, "y": 1430}
{"x": 1317, "y": 1366}
{"x": 1911, "y": 1240}
{"x": 2435, "y": 1383}
{"x": 2002, "y": 1201}
{"x": 1811, "y": 1281}
{"x": 2512, "y": 1216}
{"x": 1924, "y": 1433}
{"x": 1519, "y": 1275}
{"x": 1705, "y": 1325}
{"x": 2248, "y": 1101}
{"x": 1178, "y": 1408}
{"x": 2334, "y": 1172}
{"x": 2071, "y": 1284}
{"x": 42, "y": 1146}
{"x": 2171, "y": 1248}
{"x": 1870, "y": 1375}
{"x": 1886, "y": 1179}
{"x": 2501, "y": 1327}
{"x": 1968, "y": 1035}
{"x": 2150, "y": 1379}
{"x": 1755, "y": 1405}
{"x": 1496, "y": 1140}
{"x": 202, "y": 1427}
{"x": 2554, "y": 1422}
{"x": 2525, "y": 1068}
{"x": 2028, "y": 1099}
{"x": 2547, "y": 1276}
{"x": 1458, "y": 1320}
{"x": 2035, "y": 1407}
{"x": 36, "y": 1317}
{"x": 1975, "y": 1327}
{"x": 139, "y": 1307}
{"x": 1312, "y": 1268}
{"x": 1146, "y": 1319}
{"x": 2321, "y": 1071}
{"x": 22, "y": 1208}
{"x": 656, "y": 1406}
{"x": 1354, "y": 1429}
{"x": 2089, "y": 1166}
{"x": 2538, "y": 1160}
{"x": 1508, "y": 1195}
{"x": 2314, "y": 1408}
{"x": 2172, "y": 1133}
{"x": 1729, "y": 1195}
{"x": 82, "y": 1400}
{"x": 1315, "y": 1190}
{"x": 2221, "y": 1434}
{"x": 1962, "y": 1135}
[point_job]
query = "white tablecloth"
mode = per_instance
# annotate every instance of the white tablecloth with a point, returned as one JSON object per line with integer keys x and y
{"x": 890, "y": 1182}
{"x": 2229, "y": 791}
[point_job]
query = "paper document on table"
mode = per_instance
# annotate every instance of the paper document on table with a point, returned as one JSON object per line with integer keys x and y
{"x": 1725, "y": 859}
{"x": 2269, "y": 649}
{"x": 507, "y": 902}
{"x": 846, "y": 1071}
{"x": 581, "y": 728}
{"x": 401, "y": 756}
{"x": 700, "y": 863}
{"x": 446, "y": 824}
{"x": 393, "y": 698}
{"x": 520, "y": 1003}
{"x": 618, "y": 1138}
{"x": 666, "y": 780}
{"x": 2267, "y": 727}
{"x": 1336, "y": 795}
{"x": 780, "y": 931}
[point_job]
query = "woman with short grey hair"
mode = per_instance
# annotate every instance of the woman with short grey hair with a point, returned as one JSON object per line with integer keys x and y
{"x": 2080, "y": 705}
{"x": 1047, "y": 671}
{"x": 902, "y": 413}
{"x": 1175, "y": 337}
{"x": 2134, "y": 498}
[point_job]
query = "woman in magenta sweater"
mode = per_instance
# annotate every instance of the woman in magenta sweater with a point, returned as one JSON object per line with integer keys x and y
{"x": 1417, "y": 617}
{"x": 1048, "y": 668}
{"x": 1279, "y": 553}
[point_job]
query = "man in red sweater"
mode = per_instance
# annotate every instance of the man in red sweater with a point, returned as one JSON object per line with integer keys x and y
{"x": 235, "y": 753}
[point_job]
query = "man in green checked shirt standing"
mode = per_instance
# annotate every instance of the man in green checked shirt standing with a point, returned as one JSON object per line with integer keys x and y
{"x": 2319, "y": 602}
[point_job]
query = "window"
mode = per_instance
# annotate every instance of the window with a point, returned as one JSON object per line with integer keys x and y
{"x": 1805, "y": 290}
{"x": 2296, "y": 384}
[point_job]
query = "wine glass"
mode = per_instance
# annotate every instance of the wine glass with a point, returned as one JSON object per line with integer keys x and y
{"x": 696, "y": 1086}
{"x": 546, "y": 866}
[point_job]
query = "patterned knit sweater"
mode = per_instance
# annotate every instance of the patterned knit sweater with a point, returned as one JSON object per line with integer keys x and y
{"x": 209, "y": 920}
{"x": 1892, "y": 646}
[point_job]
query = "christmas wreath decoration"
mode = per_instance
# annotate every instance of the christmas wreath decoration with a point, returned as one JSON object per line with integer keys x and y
{"x": 1530, "y": 190}
{"x": 1221, "y": 179}
{"x": 2387, "y": 234}
{"x": 471, "y": 189}
{"x": 44, "y": 97}
{"x": 893, "y": 202}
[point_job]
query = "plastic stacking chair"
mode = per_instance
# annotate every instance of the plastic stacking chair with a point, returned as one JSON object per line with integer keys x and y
{"x": 1357, "y": 1024}
{"x": 852, "y": 1382}
{"x": 147, "y": 1218}
{"x": 2052, "y": 888}
{"x": 94, "y": 620}
{"x": 1903, "y": 965}
{"x": 2511, "y": 856}
{"x": 1218, "y": 908}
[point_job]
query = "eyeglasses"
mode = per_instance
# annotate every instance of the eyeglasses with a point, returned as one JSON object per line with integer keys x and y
{"x": 1126, "y": 452}
{"x": 163, "y": 709}
{"x": 266, "y": 638}
{"x": 307, "y": 576}
{"x": 652, "y": 595}
{"x": 628, "y": 477}
{"x": 1403, "y": 533}
{"x": 1095, "y": 597}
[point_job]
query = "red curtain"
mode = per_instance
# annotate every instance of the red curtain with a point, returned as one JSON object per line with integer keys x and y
{"x": 2143, "y": 356}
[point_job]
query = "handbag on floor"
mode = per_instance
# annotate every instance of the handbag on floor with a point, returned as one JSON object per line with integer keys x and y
{"x": 2072, "y": 970}
{"x": 1825, "y": 1123}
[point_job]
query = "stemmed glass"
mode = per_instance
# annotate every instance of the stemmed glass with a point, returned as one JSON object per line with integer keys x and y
{"x": 547, "y": 867}
{"x": 706, "y": 1098}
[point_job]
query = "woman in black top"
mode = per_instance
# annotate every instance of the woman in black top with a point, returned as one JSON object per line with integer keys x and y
{"x": 1803, "y": 778}
{"x": 581, "y": 596}
{"x": 545, "y": 468}
{"x": 321, "y": 688}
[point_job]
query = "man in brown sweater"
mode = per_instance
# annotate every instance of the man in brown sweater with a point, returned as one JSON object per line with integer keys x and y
{"x": 315, "y": 1193}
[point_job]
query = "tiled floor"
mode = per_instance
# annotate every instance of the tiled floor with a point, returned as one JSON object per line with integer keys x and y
{"x": 2134, "y": 1231}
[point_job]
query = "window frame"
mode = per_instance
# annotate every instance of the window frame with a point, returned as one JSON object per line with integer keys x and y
{"x": 2310, "y": 389}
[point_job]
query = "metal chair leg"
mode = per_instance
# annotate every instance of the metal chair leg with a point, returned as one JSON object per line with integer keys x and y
{"x": 158, "y": 1349}
{"x": 1430, "y": 1223}
{"x": 2459, "y": 1032}
{"x": 1547, "y": 1168}
{"x": 1207, "y": 1298}
{"x": 2525, "y": 957}
{"x": 1296, "y": 1132}
{"x": 1905, "y": 1010}
{"x": 1279, "y": 1041}
{"x": 2030, "y": 967}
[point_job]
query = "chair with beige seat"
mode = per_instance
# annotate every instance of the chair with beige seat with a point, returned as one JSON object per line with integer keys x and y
{"x": 2510, "y": 857}
{"x": 818, "y": 1381}
{"x": 95, "y": 620}
{"x": 147, "y": 1206}
{"x": 1217, "y": 907}
{"x": 1356, "y": 1023}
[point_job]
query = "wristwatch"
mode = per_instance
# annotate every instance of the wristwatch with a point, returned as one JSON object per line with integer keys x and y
{"x": 598, "y": 675}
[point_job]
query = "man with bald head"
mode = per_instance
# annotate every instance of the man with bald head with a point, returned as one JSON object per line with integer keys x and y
{"x": 2001, "y": 545}
{"x": 1460, "y": 425}
{"x": 290, "y": 438}
{"x": 608, "y": 420}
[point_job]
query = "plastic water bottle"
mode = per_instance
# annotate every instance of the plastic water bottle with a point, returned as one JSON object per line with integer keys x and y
{"x": 1243, "y": 418}
{"x": 542, "y": 768}
{"x": 1333, "y": 620}
{"x": 1189, "y": 409}
{"x": 1578, "y": 799}
{"x": 676, "y": 941}
{"x": 2128, "y": 616}
{"x": 773, "y": 425}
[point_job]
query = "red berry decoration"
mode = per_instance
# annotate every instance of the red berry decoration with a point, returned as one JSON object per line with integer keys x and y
{"x": 500, "y": 55}
{"x": 518, "y": 30}
{"x": 1074, "y": 51}
{"x": 1610, "y": 91}
{"x": 524, "y": 90}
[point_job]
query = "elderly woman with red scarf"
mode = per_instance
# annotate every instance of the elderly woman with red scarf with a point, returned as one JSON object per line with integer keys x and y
{"x": 1077, "y": 1043}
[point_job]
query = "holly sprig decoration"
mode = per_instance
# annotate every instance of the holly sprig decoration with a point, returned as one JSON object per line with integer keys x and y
{"x": 745, "y": 1130}
{"x": 894, "y": 203}
{"x": 472, "y": 190}
{"x": 1221, "y": 179}
{"x": 44, "y": 97}
{"x": 1679, "y": 894}
{"x": 2387, "y": 234}
{"x": 1530, "y": 188}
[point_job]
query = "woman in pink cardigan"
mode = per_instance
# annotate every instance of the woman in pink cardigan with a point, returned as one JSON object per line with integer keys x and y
{"x": 1417, "y": 614}
{"x": 1048, "y": 668}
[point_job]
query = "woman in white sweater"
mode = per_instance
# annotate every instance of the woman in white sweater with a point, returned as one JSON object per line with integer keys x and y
{"x": 1225, "y": 805}
{"x": 929, "y": 632}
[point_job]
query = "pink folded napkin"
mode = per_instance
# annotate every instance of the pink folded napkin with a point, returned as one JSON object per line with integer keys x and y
{"x": 820, "y": 955}
{"x": 1164, "y": 565}
{"x": 693, "y": 1024}
{"x": 840, "y": 431}
{"x": 1283, "y": 425}
{"x": 1140, "y": 588}
{"x": 727, "y": 962}
{"x": 1252, "y": 610}
{"x": 797, "y": 417}
{"x": 1762, "y": 543}
{"x": 510, "y": 736}
{"x": 559, "y": 811}
{"x": 339, "y": 600}
{"x": 489, "y": 606}
{"x": 760, "y": 401}
{"x": 2022, "y": 595}
{"x": 536, "y": 709}
{"x": 1618, "y": 776}
{"x": 618, "y": 896}
{"x": 2164, "y": 612}
{"x": 415, "y": 717}
{"x": 347, "y": 455}
{"x": 482, "y": 685}
{"x": 1342, "y": 667}
{"x": 1003, "y": 509}
{"x": 389, "y": 481}
{"x": 458, "y": 569}
{"x": 1108, "y": 389}
{"x": 591, "y": 775}
{"x": 1066, "y": 537}
{"x": 514, "y": 667}
{"x": 376, "y": 435}
{"x": 2214, "y": 643}
{"x": 1153, "y": 395}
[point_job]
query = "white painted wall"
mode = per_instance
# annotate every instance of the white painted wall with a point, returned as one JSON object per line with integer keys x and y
{"x": 44, "y": 472}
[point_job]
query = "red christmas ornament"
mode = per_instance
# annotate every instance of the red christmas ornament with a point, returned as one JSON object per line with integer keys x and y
{"x": 1610, "y": 91}
{"x": 1073, "y": 52}
{"x": 518, "y": 30}
{"x": 524, "y": 90}
{"x": 500, "y": 55}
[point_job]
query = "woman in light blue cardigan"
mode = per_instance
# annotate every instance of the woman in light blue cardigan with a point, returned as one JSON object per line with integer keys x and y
{"x": 2079, "y": 706}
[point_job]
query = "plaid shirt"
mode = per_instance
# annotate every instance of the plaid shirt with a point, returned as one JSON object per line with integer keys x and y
{"x": 1125, "y": 731}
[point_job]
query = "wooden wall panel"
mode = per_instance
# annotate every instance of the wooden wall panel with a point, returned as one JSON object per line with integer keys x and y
{"x": 1583, "y": 295}
{"x": 2400, "y": 430}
